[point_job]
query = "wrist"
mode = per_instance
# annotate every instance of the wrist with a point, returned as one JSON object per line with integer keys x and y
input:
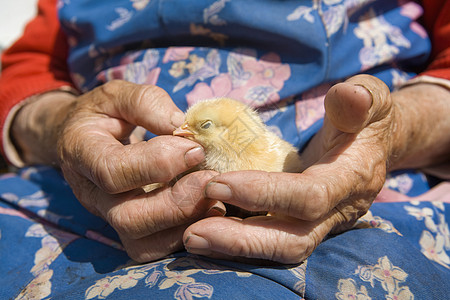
{"x": 419, "y": 133}
{"x": 35, "y": 127}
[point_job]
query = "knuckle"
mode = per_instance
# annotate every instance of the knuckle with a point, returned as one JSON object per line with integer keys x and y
{"x": 111, "y": 87}
{"x": 318, "y": 199}
{"x": 267, "y": 195}
{"x": 293, "y": 250}
{"x": 127, "y": 221}
{"x": 241, "y": 247}
{"x": 114, "y": 173}
{"x": 152, "y": 92}
{"x": 163, "y": 165}
{"x": 136, "y": 252}
{"x": 118, "y": 221}
{"x": 140, "y": 253}
{"x": 149, "y": 96}
{"x": 104, "y": 176}
{"x": 166, "y": 160}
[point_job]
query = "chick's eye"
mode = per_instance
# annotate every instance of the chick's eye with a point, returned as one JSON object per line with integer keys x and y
{"x": 206, "y": 125}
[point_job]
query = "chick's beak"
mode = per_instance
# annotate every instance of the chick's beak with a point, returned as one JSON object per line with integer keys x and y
{"x": 183, "y": 131}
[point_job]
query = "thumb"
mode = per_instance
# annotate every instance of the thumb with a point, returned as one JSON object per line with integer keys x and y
{"x": 145, "y": 105}
{"x": 357, "y": 102}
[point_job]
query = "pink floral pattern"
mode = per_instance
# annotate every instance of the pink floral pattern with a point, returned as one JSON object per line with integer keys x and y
{"x": 311, "y": 109}
{"x": 253, "y": 81}
{"x": 413, "y": 11}
{"x": 177, "y": 54}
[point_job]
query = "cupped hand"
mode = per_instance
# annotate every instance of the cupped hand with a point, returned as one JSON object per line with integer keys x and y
{"x": 345, "y": 168}
{"x": 106, "y": 171}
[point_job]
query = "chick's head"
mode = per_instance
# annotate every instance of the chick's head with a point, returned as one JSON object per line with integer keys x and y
{"x": 219, "y": 123}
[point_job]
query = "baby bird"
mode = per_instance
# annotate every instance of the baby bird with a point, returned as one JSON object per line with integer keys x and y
{"x": 235, "y": 138}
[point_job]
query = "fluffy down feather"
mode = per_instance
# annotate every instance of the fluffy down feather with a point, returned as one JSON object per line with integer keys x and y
{"x": 235, "y": 138}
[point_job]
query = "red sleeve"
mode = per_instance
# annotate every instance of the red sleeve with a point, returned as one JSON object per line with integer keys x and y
{"x": 437, "y": 22}
{"x": 35, "y": 63}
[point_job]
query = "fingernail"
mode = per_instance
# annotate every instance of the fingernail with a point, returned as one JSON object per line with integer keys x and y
{"x": 364, "y": 89}
{"x": 197, "y": 245}
{"x": 218, "y": 191}
{"x": 177, "y": 119}
{"x": 215, "y": 211}
{"x": 194, "y": 156}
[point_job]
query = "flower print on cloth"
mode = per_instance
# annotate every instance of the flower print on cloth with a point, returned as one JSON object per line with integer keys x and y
{"x": 388, "y": 275}
{"x": 253, "y": 81}
{"x": 399, "y": 78}
{"x": 413, "y": 11}
{"x": 433, "y": 248}
{"x": 211, "y": 13}
{"x": 381, "y": 39}
{"x": 311, "y": 109}
{"x": 334, "y": 14}
{"x": 124, "y": 16}
{"x": 104, "y": 287}
{"x": 140, "y": 4}
{"x": 422, "y": 214}
{"x": 198, "y": 68}
{"x": 188, "y": 287}
{"x": 39, "y": 288}
{"x": 391, "y": 278}
{"x": 303, "y": 13}
{"x": 348, "y": 291}
{"x": 143, "y": 71}
{"x": 37, "y": 202}
{"x": 402, "y": 183}
{"x": 53, "y": 242}
{"x": 211, "y": 17}
{"x": 300, "y": 273}
{"x": 177, "y": 54}
{"x": 176, "y": 274}
{"x": 434, "y": 242}
{"x": 371, "y": 221}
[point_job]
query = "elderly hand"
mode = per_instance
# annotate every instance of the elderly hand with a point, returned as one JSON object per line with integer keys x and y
{"x": 106, "y": 172}
{"x": 363, "y": 135}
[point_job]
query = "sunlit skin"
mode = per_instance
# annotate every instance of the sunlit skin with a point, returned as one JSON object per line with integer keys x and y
{"x": 366, "y": 131}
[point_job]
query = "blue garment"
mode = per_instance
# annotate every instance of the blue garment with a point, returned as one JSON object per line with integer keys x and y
{"x": 52, "y": 247}
{"x": 258, "y": 52}
{"x": 278, "y": 56}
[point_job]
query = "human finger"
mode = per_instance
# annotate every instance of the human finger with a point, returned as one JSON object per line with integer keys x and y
{"x": 155, "y": 246}
{"x": 360, "y": 100}
{"x": 135, "y": 214}
{"x": 94, "y": 140}
{"x": 164, "y": 242}
{"x": 144, "y": 105}
{"x": 276, "y": 238}
{"x": 117, "y": 168}
{"x": 308, "y": 196}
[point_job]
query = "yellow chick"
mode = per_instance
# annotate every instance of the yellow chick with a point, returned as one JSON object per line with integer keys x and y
{"x": 235, "y": 138}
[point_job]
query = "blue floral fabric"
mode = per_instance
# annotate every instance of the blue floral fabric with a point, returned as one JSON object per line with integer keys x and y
{"x": 280, "y": 57}
{"x": 51, "y": 247}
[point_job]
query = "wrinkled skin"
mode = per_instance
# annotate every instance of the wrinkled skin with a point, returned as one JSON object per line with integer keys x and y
{"x": 345, "y": 169}
{"x": 365, "y": 133}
